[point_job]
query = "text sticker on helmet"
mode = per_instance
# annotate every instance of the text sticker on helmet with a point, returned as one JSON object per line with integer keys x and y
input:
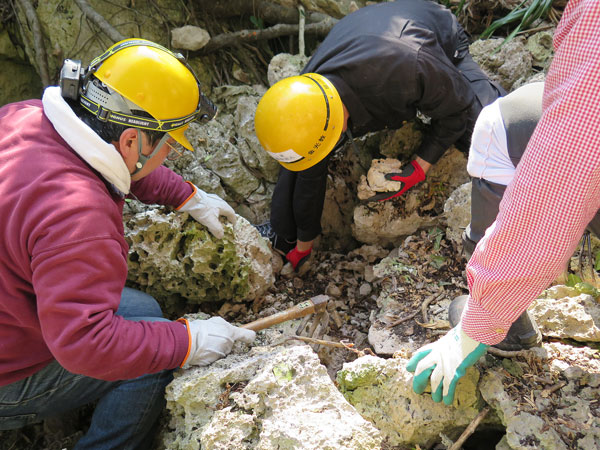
{"x": 288, "y": 156}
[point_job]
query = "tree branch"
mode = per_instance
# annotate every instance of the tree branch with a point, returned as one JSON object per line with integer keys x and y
{"x": 100, "y": 21}
{"x": 268, "y": 11}
{"x": 244, "y": 36}
{"x": 38, "y": 41}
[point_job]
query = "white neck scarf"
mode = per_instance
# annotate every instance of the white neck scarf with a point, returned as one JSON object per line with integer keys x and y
{"x": 103, "y": 157}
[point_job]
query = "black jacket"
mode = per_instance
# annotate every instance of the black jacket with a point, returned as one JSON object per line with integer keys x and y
{"x": 391, "y": 59}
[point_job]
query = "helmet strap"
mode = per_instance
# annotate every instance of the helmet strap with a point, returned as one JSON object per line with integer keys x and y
{"x": 143, "y": 159}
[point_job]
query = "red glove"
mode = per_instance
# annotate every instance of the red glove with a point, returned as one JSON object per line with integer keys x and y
{"x": 297, "y": 258}
{"x": 410, "y": 175}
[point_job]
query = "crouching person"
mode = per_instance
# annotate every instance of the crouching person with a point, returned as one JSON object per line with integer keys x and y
{"x": 70, "y": 333}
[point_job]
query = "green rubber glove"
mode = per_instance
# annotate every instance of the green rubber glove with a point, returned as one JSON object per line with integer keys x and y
{"x": 443, "y": 363}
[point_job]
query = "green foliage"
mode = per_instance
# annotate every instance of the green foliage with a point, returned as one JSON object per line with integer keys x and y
{"x": 572, "y": 280}
{"x": 257, "y": 22}
{"x": 436, "y": 235}
{"x": 437, "y": 261}
{"x": 587, "y": 288}
{"x": 581, "y": 286}
{"x": 525, "y": 15}
{"x": 597, "y": 262}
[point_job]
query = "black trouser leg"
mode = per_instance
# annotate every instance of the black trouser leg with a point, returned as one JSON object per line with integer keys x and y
{"x": 297, "y": 203}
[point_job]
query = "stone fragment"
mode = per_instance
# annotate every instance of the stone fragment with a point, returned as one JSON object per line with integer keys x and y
{"x": 570, "y": 317}
{"x": 457, "y": 211}
{"x": 285, "y": 65}
{"x": 189, "y": 37}
{"x": 375, "y": 181}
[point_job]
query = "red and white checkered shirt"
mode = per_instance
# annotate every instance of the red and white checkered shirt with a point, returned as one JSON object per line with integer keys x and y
{"x": 555, "y": 191}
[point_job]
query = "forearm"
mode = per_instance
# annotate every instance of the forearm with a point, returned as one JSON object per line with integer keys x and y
{"x": 555, "y": 192}
{"x": 163, "y": 187}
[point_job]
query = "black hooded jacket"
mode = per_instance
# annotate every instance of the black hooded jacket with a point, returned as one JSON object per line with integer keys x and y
{"x": 391, "y": 59}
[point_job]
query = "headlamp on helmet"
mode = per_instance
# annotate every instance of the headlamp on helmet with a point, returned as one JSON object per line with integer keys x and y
{"x": 136, "y": 74}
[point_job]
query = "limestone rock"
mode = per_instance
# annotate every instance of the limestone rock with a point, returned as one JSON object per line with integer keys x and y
{"x": 574, "y": 316}
{"x": 375, "y": 181}
{"x": 403, "y": 142}
{"x": 189, "y": 37}
{"x": 387, "y": 222}
{"x": 381, "y": 391}
{"x": 457, "y": 211}
{"x": 66, "y": 30}
{"x": 540, "y": 47}
{"x": 267, "y": 398}
{"x": 284, "y": 65}
{"x": 18, "y": 79}
{"x": 510, "y": 66}
{"x": 172, "y": 255}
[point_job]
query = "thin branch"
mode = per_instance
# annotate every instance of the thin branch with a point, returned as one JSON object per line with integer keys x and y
{"x": 270, "y": 12}
{"x": 301, "y": 30}
{"x": 404, "y": 319}
{"x": 244, "y": 36}
{"x": 100, "y": 21}
{"x": 508, "y": 354}
{"x": 470, "y": 429}
{"x": 38, "y": 41}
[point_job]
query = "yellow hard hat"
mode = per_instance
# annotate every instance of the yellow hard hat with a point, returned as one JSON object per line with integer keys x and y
{"x": 299, "y": 120}
{"x": 152, "y": 78}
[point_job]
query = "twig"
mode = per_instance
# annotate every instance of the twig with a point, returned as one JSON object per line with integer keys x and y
{"x": 508, "y": 354}
{"x": 404, "y": 319}
{"x": 470, "y": 429}
{"x": 546, "y": 392}
{"x": 38, "y": 41}
{"x": 301, "y": 30}
{"x": 100, "y": 21}
{"x": 426, "y": 303}
{"x": 232, "y": 39}
{"x": 319, "y": 341}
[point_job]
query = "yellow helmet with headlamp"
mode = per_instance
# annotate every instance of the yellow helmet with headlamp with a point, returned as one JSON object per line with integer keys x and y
{"x": 137, "y": 74}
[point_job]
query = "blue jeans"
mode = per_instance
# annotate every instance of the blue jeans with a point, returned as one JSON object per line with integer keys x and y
{"x": 126, "y": 411}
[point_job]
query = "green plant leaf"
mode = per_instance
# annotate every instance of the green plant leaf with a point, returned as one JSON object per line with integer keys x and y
{"x": 572, "y": 280}
{"x": 437, "y": 261}
{"x": 257, "y": 22}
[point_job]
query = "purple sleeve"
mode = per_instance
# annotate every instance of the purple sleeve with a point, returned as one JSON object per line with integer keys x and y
{"x": 163, "y": 187}
{"x": 78, "y": 289}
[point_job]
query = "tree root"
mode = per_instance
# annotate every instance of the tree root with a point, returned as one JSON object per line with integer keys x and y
{"x": 470, "y": 429}
{"x": 100, "y": 21}
{"x": 245, "y": 36}
{"x": 41, "y": 58}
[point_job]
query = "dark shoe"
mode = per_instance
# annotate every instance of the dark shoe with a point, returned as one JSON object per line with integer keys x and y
{"x": 522, "y": 334}
{"x": 279, "y": 244}
{"x": 468, "y": 246}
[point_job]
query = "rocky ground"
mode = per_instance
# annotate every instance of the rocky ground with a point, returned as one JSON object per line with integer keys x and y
{"x": 403, "y": 293}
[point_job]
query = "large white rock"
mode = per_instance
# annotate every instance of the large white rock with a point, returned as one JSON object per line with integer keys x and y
{"x": 268, "y": 398}
{"x": 381, "y": 390}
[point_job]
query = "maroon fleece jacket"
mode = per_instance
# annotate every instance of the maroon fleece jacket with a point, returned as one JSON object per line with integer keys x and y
{"x": 63, "y": 260}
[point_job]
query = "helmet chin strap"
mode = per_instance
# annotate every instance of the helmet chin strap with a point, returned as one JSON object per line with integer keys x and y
{"x": 143, "y": 159}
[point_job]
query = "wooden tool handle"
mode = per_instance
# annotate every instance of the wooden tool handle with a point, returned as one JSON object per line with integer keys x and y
{"x": 315, "y": 304}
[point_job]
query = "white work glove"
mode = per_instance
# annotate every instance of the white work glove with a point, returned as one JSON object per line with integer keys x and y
{"x": 444, "y": 362}
{"x": 206, "y": 209}
{"x": 212, "y": 339}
